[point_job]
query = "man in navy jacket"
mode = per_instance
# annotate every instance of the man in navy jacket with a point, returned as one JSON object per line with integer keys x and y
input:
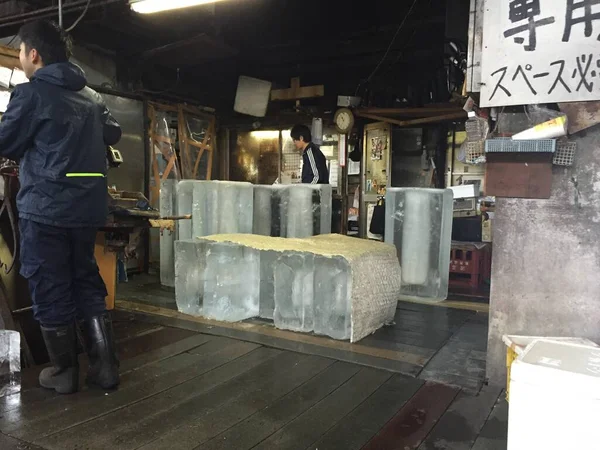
{"x": 59, "y": 130}
{"x": 314, "y": 163}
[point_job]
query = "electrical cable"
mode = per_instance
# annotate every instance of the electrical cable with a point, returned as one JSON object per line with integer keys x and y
{"x": 12, "y": 40}
{"x": 387, "y": 52}
{"x": 72, "y": 27}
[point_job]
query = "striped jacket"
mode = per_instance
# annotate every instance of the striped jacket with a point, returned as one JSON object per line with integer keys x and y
{"x": 314, "y": 166}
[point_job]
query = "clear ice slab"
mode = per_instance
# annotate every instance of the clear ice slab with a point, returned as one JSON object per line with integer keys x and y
{"x": 10, "y": 362}
{"x": 222, "y": 207}
{"x": 190, "y": 264}
{"x": 231, "y": 282}
{"x": 220, "y": 281}
{"x": 294, "y": 292}
{"x": 185, "y": 200}
{"x": 332, "y": 305}
{"x": 332, "y": 285}
{"x": 292, "y": 211}
{"x": 419, "y": 224}
{"x": 168, "y": 207}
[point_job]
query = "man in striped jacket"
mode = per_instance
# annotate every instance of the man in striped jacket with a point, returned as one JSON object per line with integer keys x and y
{"x": 314, "y": 163}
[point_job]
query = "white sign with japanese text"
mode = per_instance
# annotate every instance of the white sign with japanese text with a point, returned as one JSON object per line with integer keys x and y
{"x": 540, "y": 51}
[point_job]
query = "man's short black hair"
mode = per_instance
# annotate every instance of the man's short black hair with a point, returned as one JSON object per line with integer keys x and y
{"x": 301, "y": 131}
{"x": 51, "y": 42}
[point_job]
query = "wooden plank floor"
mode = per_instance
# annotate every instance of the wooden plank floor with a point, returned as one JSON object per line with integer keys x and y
{"x": 436, "y": 344}
{"x": 186, "y": 390}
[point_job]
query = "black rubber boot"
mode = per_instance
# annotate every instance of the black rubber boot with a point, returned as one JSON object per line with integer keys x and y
{"x": 100, "y": 346}
{"x": 63, "y": 376}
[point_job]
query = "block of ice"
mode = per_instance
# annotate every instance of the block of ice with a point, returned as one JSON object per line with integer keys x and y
{"x": 185, "y": 191}
{"x": 294, "y": 291}
{"x": 10, "y": 362}
{"x": 306, "y": 210}
{"x": 190, "y": 264}
{"x": 268, "y": 210}
{"x": 293, "y": 211}
{"x": 268, "y": 260}
{"x": 222, "y": 207}
{"x": 333, "y": 285}
{"x": 332, "y": 306}
{"x": 372, "y": 283}
{"x": 168, "y": 191}
{"x": 200, "y": 209}
{"x": 419, "y": 224}
{"x": 231, "y": 282}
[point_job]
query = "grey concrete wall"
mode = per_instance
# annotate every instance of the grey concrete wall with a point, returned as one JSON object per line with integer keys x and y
{"x": 546, "y": 263}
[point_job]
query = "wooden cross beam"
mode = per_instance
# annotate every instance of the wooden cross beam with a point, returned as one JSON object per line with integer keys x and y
{"x": 296, "y": 92}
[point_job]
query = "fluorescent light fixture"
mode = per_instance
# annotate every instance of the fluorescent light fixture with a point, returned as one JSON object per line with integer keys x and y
{"x": 265, "y": 134}
{"x": 155, "y": 6}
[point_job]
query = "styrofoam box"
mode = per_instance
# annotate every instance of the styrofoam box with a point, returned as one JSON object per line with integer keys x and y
{"x": 555, "y": 397}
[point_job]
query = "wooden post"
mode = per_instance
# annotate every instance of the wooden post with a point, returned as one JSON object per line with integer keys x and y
{"x": 345, "y": 187}
{"x": 107, "y": 263}
{"x": 297, "y": 93}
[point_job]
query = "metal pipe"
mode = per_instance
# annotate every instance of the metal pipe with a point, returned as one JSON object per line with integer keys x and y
{"x": 51, "y": 11}
{"x": 60, "y": 14}
{"x": 23, "y": 310}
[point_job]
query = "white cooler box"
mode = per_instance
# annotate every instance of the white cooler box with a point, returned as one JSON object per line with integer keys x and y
{"x": 555, "y": 398}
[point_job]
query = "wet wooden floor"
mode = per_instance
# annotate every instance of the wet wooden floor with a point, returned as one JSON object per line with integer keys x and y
{"x": 433, "y": 343}
{"x": 182, "y": 389}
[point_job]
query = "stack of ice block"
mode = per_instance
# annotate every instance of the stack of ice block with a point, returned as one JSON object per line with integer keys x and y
{"x": 293, "y": 211}
{"x": 220, "y": 207}
{"x": 333, "y": 285}
{"x": 216, "y": 207}
{"x": 419, "y": 224}
{"x": 10, "y": 362}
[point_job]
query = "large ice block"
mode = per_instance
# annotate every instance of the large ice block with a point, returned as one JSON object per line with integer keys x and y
{"x": 268, "y": 260}
{"x": 222, "y": 207}
{"x": 10, "y": 362}
{"x": 293, "y": 211}
{"x": 190, "y": 265}
{"x": 185, "y": 195}
{"x": 332, "y": 306}
{"x": 419, "y": 224}
{"x": 307, "y": 210}
{"x": 231, "y": 282}
{"x": 333, "y": 285}
{"x": 294, "y": 291}
{"x": 220, "y": 281}
{"x": 168, "y": 192}
{"x": 268, "y": 210}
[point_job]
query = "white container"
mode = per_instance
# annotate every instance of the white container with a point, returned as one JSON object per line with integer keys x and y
{"x": 555, "y": 397}
{"x": 551, "y": 129}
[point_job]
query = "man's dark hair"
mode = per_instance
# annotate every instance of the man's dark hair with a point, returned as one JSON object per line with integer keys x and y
{"x": 51, "y": 42}
{"x": 301, "y": 131}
